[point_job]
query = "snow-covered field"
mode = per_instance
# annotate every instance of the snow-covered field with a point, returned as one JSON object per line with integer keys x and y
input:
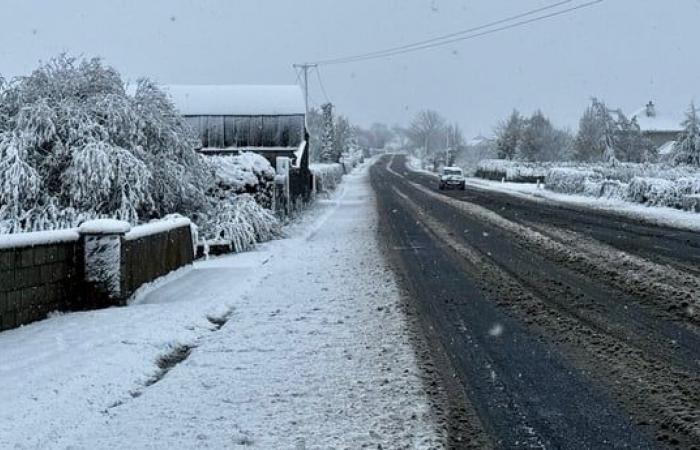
{"x": 296, "y": 363}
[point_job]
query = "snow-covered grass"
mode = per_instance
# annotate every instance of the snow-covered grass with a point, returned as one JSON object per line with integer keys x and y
{"x": 279, "y": 357}
{"x": 327, "y": 176}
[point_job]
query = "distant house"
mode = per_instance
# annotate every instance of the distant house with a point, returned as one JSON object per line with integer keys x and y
{"x": 268, "y": 120}
{"x": 659, "y": 128}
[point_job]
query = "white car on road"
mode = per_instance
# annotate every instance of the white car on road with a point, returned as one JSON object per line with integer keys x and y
{"x": 452, "y": 177}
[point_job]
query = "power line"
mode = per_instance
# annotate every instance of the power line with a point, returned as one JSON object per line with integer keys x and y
{"x": 448, "y": 39}
{"x": 457, "y": 33}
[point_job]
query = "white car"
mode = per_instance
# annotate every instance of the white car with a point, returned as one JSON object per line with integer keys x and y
{"x": 452, "y": 177}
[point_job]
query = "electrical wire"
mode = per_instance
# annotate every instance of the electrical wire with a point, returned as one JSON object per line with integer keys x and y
{"x": 449, "y": 39}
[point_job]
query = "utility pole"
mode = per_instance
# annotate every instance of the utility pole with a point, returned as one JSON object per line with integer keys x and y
{"x": 305, "y": 67}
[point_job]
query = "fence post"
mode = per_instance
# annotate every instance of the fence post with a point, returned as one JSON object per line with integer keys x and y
{"x": 102, "y": 242}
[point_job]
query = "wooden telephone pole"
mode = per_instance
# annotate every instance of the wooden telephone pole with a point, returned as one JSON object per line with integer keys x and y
{"x": 305, "y": 68}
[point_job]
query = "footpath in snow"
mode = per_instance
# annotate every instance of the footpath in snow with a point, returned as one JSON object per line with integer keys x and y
{"x": 299, "y": 344}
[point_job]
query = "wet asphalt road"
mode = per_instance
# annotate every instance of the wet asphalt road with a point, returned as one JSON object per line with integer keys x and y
{"x": 565, "y": 328}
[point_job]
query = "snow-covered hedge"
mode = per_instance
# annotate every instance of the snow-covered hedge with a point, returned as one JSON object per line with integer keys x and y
{"x": 327, "y": 176}
{"x": 567, "y": 180}
{"x": 247, "y": 173}
{"x": 517, "y": 171}
{"x": 240, "y": 220}
{"x": 653, "y": 191}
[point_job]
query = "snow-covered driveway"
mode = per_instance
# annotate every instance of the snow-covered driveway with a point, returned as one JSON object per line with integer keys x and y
{"x": 300, "y": 344}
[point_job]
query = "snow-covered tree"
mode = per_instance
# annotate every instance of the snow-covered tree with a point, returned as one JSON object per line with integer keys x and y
{"x": 508, "y": 136}
{"x": 596, "y": 134}
{"x": 630, "y": 144}
{"x": 73, "y": 139}
{"x": 455, "y": 142}
{"x": 541, "y": 141}
{"x": 687, "y": 150}
{"x": 314, "y": 122}
{"x": 427, "y": 133}
{"x": 344, "y": 135}
{"x": 328, "y": 135}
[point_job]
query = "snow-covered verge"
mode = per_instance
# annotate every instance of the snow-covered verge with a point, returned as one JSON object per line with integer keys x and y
{"x": 531, "y": 191}
{"x": 275, "y": 355}
{"x": 327, "y": 176}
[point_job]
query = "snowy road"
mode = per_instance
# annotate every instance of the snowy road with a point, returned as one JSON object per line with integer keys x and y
{"x": 567, "y": 328}
{"x": 301, "y": 344}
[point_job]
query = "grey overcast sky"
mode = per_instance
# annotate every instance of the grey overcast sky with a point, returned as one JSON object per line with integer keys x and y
{"x": 623, "y": 51}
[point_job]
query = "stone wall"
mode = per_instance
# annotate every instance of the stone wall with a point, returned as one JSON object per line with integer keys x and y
{"x": 45, "y": 272}
{"x": 38, "y": 279}
{"x": 149, "y": 257}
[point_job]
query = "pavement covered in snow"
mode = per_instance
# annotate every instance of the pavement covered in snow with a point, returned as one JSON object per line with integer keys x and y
{"x": 299, "y": 344}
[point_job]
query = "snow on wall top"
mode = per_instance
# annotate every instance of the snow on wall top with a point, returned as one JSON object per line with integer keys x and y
{"x": 156, "y": 227}
{"x": 237, "y": 100}
{"x": 35, "y": 238}
{"x": 650, "y": 119}
{"x": 105, "y": 226}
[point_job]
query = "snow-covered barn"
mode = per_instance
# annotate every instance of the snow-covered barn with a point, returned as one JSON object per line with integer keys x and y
{"x": 269, "y": 120}
{"x": 266, "y": 119}
{"x": 659, "y": 128}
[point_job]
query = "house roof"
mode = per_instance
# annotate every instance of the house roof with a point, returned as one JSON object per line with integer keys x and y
{"x": 650, "y": 118}
{"x": 237, "y": 100}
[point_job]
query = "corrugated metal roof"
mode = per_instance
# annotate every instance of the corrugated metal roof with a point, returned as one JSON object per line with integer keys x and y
{"x": 237, "y": 100}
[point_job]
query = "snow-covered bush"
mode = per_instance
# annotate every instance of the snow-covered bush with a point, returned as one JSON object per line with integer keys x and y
{"x": 327, "y": 176}
{"x": 74, "y": 144}
{"x": 654, "y": 192}
{"x": 247, "y": 173}
{"x": 604, "y": 188}
{"x": 240, "y": 220}
{"x": 567, "y": 180}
